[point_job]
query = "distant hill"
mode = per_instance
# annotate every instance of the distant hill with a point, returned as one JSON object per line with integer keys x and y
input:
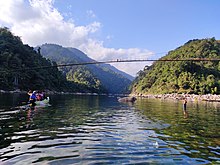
{"x": 103, "y": 77}
{"x": 183, "y": 76}
{"x": 84, "y": 58}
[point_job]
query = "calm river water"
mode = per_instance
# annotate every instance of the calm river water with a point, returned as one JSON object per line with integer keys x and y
{"x": 100, "y": 130}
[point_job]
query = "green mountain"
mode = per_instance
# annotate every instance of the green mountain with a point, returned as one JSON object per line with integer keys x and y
{"x": 103, "y": 77}
{"x": 198, "y": 77}
{"x": 17, "y": 61}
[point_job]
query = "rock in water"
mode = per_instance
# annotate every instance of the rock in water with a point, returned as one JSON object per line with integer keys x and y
{"x": 127, "y": 99}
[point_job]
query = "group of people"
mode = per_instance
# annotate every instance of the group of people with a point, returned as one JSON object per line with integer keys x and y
{"x": 36, "y": 96}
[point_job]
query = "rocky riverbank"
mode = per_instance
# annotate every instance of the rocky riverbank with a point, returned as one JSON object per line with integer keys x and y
{"x": 48, "y": 92}
{"x": 173, "y": 96}
{"x": 189, "y": 97}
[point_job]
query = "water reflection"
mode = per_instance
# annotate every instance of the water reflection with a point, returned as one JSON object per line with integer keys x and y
{"x": 196, "y": 132}
{"x": 100, "y": 130}
{"x": 12, "y": 100}
{"x": 185, "y": 113}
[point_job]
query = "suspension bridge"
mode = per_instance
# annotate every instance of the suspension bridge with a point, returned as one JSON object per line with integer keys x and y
{"x": 115, "y": 61}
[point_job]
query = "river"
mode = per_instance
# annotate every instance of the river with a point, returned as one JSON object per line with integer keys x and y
{"x": 100, "y": 130}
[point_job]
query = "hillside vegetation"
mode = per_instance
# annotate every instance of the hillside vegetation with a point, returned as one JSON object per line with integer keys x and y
{"x": 104, "y": 77}
{"x": 23, "y": 67}
{"x": 202, "y": 77}
{"x": 16, "y": 61}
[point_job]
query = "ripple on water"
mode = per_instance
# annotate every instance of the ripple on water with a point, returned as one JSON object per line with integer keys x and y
{"x": 118, "y": 135}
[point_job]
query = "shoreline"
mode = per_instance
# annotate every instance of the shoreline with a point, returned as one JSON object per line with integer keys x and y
{"x": 176, "y": 96}
{"x": 63, "y": 93}
{"x": 172, "y": 96}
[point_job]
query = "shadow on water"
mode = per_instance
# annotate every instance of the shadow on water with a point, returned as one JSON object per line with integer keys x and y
{"x": 12, "y": 100}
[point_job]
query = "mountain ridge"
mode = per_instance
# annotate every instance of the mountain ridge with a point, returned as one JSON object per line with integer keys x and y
{"x": 96, "y": 75}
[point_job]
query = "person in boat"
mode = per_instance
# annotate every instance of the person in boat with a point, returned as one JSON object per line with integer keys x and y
{"x": 42, "y": 95}
{"x": 39, "y": 96}
{"x": 33, "y": 97}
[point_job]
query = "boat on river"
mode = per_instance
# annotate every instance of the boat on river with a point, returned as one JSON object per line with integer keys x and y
{"x": 43, "y": 102}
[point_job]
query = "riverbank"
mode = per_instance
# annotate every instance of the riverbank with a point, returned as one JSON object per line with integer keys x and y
{"x": 173, "y": 96}
{"x": 48, "y": 92}
{"x": 189, "y": 97}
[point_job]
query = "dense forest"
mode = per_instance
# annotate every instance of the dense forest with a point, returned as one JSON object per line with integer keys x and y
{"x": 197, "y": 77}
{"x": 23, "y": 67}
{"x": 100, "y": 77}
{"x": 17, "y": 61}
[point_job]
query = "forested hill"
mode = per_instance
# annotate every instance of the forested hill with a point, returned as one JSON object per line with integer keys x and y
{"x": 97, "y": 76}
{"x": 183, "y": 76}
{"x": 16, "y": 60}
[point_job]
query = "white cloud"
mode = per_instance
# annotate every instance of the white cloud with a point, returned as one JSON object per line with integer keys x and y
{"x": 97, "y": 51}
{"x": 38, "y": 22}
{"x": 16, "y": 12}
{"x": 91, "y": 14}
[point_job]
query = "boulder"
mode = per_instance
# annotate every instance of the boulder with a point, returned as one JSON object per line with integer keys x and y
{"x": 127, "y": 99}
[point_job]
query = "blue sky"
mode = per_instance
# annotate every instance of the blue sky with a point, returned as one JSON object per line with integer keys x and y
{"x": 157, "y": 25}
{"x": 113, "y": 29}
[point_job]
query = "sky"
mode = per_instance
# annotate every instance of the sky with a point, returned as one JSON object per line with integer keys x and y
{"x": 113, "y": 29}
